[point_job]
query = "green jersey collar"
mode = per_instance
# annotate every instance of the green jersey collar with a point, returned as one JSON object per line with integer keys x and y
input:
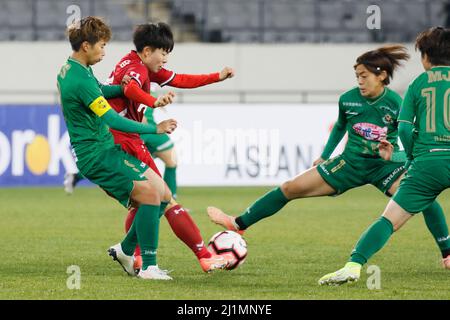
{"x": 372, "y": 101}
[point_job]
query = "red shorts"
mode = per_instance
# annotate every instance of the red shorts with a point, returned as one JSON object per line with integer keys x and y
{"x": 136, "y": 148}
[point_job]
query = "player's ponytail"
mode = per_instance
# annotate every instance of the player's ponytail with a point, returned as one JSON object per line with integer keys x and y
{"x": 386, "y": 58}
{"x": 435, "y": 43}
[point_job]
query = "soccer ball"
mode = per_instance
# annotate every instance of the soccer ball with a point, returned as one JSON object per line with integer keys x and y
{"x": 231, "y": 246}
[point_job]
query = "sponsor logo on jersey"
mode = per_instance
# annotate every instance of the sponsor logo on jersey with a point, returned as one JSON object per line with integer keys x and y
{"x": 392, "y": 175}
{"x": 352, "y": 113}
{"x": 352, "y": 104}
{"x": 370, "y": 131}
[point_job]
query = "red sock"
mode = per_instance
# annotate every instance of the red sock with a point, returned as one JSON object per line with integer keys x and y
{"x": 128, "y": 223}
{"x": 187, "y": 231}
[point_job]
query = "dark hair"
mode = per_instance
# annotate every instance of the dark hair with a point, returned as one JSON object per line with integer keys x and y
{"x": 435, "y": 43}
{"x": 386, "y": 58}
{"x": 90, "y": 29}
{"x": 155, "y": 35}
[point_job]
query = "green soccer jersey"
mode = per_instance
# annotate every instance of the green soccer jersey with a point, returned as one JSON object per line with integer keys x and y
{"x": 427, "y": 106}
{"x": 369, "y": 120}
{"x": 82, "y": 101}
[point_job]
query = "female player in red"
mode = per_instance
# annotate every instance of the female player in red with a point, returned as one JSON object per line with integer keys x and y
{"x": 138, "y": 68}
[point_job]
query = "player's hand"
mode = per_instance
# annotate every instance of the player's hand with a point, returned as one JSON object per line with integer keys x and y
{"x": 226, "y": 73}
{"x": 164, "y": 100}
{"x": 385, "y": 149}
{"x": 318, "y": 161}
{"x": 166, "y": 126}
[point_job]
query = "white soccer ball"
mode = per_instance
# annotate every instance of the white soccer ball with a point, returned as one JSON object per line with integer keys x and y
{"x": 231, "y": 246}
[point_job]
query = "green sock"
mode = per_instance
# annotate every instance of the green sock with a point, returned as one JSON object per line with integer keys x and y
{"x": 372, "y": 240}
{"x": 264, "y": 207}
{"x": 147, "y": 231}
{"x": 129, "y": 243}
{"x": 162, "y": 208}
{"x": 435, "y": 221}
{"x": 170, "y": 177}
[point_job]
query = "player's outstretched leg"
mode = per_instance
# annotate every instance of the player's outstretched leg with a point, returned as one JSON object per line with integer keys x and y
{"x": 187, "y": 231}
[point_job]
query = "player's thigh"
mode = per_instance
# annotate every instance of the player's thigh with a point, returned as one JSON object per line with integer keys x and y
{"x": 168, "y": 156}
{"x": 396, "y": 215}
{"x": 307, "y": 184}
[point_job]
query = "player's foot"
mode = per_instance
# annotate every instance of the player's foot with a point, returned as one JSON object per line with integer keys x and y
{"x": 137, "y": 263}
{"x": 127, "y": 262}
{"x": 69, "y": 182}
{"x": 219, "y": 217}
{"x": 213, "y": 263}
{"x": 154, "y": 273}
{"x": 349, "y": 273}
{"x": 446, "y": 262}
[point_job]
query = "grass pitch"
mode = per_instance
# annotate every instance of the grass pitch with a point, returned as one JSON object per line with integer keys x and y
{"x": 45, "y": 231}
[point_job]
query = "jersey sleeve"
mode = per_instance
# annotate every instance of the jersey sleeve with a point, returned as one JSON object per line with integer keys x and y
{"x": 92, "y": 97}
{"x": 408, "y": 109}
{"x": 163, "y": 76}
{"x": 88, "y": 91}
{"x": 137, "y": 72}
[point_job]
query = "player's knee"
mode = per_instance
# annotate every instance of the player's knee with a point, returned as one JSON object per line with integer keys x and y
{"x": 147, "y": 194}
{"x": 289, "y": 189}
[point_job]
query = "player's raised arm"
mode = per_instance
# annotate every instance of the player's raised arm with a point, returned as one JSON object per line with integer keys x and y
{"x": 188, "y": 81}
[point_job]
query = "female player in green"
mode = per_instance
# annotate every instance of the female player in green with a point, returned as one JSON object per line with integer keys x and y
{"x": 426, "y": 109}
{"x": 368, "y": 113}
{"x": 88, "y": 117}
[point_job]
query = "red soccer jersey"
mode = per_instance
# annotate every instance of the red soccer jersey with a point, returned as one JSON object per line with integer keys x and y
{"x": 132, "y": 66}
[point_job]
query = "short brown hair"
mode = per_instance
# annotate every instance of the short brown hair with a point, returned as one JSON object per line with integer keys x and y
{"x": 90, "y": 29}
{"x": 435, "y": 43}
{"x": 386, "y": 58}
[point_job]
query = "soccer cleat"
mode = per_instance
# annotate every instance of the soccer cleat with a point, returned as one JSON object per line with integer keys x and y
{"x": 154, "y": 273}
{"x": 446, "y": 262}
{"x": 127, "y": 262}
{"x": 349, "y": 273}
{"x": 213, "y": 263}
{"x": 69, "y": 183}
{"x": 219, "y": 217}
{"x": 137, "y": 263}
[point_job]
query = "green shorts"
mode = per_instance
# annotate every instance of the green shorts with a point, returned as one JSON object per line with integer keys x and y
{"x": 114, "y": 171}
{"x": 157, "y": 142}
{"x": 343, "y": 172}
{"x": 423, "y": 182}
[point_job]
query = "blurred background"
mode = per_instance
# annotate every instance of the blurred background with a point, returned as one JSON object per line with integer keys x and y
{"x": 292, "y": 60}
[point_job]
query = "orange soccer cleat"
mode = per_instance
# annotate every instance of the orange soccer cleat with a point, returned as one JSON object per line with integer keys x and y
{"x": 219, "y": 217}
{"x": 213, "y": 263}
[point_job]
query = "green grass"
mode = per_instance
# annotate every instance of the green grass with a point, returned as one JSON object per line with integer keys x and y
{"x": 43, "y": 231}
